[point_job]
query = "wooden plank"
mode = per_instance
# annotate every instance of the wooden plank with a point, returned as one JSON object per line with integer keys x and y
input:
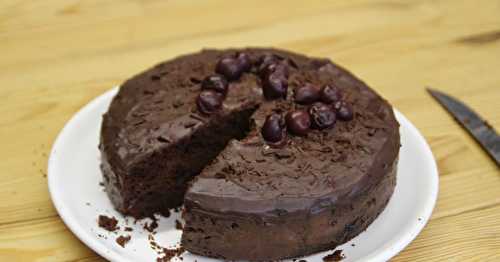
{"x": 472, "y": 236}
{"x": 40, "y": 240}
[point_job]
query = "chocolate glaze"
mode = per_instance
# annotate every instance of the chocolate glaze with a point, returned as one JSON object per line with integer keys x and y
{"x": 253, "y": 200}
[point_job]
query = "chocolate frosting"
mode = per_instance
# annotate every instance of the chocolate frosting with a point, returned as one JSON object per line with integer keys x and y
{"x": 306, "y": 194}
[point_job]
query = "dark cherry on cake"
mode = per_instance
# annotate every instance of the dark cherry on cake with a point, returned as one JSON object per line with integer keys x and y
{"x": 274, "y": 129}
{"x": 209, "y": 101}
{"x": 330, "y": 94}
{"x": 322, "y": 116}
{"x": 265, "y": 61}
{"x": 232, "y": 67}
{"x": 298, "y": 122}
{"x": 344, "y": 110}
{"x": 217, "y": 83}
{"x": 275, "y": 85}
{"x": 262, "y": 174}
{"x": 307, "y": 94}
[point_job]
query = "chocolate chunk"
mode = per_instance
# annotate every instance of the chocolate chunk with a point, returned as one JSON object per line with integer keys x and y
{"x": 330, "y": 94}
{"x": 322, "y": 116}
{"x": 275, "y": 86}
{"x": 344, "y": 111}
{"x": 217, "y": 83}
{"x": 273, "y": 129}
{"x": 298, "y": 122}
{"x": 209, "y": 101}
{"x": 306, "y": 94}
{"x": 108, "y": 223}
{"x": 229, "y": 67}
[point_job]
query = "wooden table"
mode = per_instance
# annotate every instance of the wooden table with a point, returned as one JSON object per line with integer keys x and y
{"x": 55, "y": 56}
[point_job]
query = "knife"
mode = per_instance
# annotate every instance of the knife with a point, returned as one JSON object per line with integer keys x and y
{"x": 482, "y": 132}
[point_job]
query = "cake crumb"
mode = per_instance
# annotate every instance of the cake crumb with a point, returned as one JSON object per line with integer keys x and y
{"x": 151, "y": 226}
{"x": 165, "y": 254}
{"x": 335, "y": 256}
{"x": 168, "y": 254}
{"x": 178, "y": 225}
{"x": 122, "y": 240}
{"x": 165, "y": 213}
{"x": 128, "y": 229}
{"x": 302, "y": 260}
{"x": 108, "y": 223}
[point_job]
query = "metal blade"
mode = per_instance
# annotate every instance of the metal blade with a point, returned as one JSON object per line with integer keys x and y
{"x": 473, "y": 123}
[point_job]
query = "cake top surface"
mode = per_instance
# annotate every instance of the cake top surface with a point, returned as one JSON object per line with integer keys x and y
{"x": 329, "y": 164}
{"x": 158, "y": 107}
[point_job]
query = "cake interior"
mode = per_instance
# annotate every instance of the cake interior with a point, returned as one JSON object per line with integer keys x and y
{"x": 160, "y": 179}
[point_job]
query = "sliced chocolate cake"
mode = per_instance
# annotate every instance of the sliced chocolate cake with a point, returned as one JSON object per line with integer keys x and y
{"x": 273, "y": 154}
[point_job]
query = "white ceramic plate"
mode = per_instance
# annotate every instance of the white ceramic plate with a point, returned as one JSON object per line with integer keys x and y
{"x": 74, "y": 176}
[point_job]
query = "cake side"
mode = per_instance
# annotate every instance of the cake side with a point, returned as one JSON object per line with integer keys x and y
{"x": 283, "y": 235}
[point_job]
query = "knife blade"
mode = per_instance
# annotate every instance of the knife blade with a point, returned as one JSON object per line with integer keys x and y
{"x": 482, "y": 132}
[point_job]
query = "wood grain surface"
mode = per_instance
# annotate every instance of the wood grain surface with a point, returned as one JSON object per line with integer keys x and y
{"x": 57, "y": 55}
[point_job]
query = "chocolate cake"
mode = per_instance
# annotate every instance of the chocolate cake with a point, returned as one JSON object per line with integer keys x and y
{"x": 274, "y": 154}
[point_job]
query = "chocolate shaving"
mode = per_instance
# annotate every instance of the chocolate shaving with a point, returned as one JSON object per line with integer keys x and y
{"x": 163, "y": 139}
{"x": 189, "y": 124}
{"x": 197, "y": 117}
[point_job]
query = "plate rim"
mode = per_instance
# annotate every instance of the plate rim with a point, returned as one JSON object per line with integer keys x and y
{"x": 394, "y": 246}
